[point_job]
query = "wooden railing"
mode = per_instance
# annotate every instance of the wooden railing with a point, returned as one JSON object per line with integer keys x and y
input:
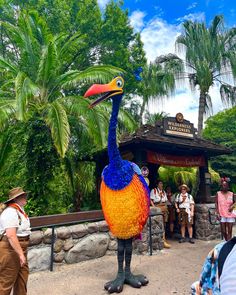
{"x": 53, "y": 221}
{"x": 63, "y": 219}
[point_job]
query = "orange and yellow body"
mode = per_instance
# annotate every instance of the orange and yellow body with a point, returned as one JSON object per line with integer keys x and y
{"x": 126, "y": 210}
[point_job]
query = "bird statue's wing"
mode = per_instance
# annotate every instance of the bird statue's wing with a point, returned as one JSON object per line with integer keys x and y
{"x": 137, "y": 170}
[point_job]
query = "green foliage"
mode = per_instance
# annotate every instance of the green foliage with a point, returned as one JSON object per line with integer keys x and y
{"x": 13, "y": 168}
{"x": 209, "y": 56}
{"x": 153, "y": 118}
{"x": 119, "y": 46}
{"x": 221, "y": 129}
{"x": 175, "y": 176}
{"x": 47, "y": 54}
{"x": 158, "y": 80}
{"x": 40, "y": 87}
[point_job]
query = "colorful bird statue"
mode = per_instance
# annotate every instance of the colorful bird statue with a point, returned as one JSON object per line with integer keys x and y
{"x": 124, "y": 193}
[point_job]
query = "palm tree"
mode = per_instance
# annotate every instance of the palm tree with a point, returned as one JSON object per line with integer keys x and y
{"x": 158, "y": 80}
{"x": 153, "y": 118}
{"x": 210, "y": 58}
{"x": 175, "y": 176}
{"x": 39, "y": 79}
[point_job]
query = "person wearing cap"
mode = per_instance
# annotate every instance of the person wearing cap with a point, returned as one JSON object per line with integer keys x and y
{"x": 14, "y": 240}
{"x": 158, "y": 198}
{"x": 184, "y": 205}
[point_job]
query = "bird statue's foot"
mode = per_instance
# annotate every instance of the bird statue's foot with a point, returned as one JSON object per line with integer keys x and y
{"x": 116, "y": 286}
{"x": 135, "y": 281}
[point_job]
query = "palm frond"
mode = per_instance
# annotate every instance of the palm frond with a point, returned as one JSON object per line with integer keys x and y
{"x": 92, "y": 74}
{"x": 95, "y": 120}
{"x": 25, "y": 89}
{"x": 7, "y": 108}
{"x": 228, "y": 94}
{"x": 57, "y": 121}
{"x": 126, "y": 121}
{"x": 48, "y": 66}
{"x": 69, "y": 47}
{"x": 7, "y": 66}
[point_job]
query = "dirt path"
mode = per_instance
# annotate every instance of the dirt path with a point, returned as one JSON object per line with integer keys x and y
{"x": 169, "y": 271}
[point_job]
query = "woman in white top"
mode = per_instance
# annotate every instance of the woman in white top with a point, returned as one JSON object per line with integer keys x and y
{"x": 184, "y": 205}
{"x": 14, "y": 240}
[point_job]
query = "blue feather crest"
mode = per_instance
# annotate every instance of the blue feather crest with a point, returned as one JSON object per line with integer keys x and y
{"x": 137, "y": 73}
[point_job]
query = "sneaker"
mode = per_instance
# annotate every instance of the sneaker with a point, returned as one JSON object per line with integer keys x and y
{"x": 182, "y": 240}
{"x": 191, "y": 241}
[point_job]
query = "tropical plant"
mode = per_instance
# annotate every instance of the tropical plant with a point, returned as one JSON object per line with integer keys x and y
{"x": 119, "y": 45}
{"x": 175, "y": 176}
{"x": 221, "y": 129}
{"x": 158, "y": 80}
{"x": 155, "y": 117}
{"x": 42, "y": 91}
{"x": 210, "y": 58}
{"x": 39, "y": 78}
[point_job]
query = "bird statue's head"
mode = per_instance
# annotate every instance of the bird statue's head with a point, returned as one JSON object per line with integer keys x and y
{"x": 114, "y": 88}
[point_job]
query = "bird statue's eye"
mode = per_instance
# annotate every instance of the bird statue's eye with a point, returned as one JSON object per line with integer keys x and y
{"x": 119, "y": 83}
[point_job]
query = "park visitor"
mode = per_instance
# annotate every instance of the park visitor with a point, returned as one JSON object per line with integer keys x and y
{"x": 218, "y": 274}
{"x": 184, "y": 205}
{"x": 224, "y": 206}
{"x": 14, "y": 236}
{"x": 171, "y": 209}
{"x": 158, "y": 199}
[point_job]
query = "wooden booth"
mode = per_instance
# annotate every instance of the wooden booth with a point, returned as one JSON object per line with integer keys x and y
{"x": 171, "y": 142}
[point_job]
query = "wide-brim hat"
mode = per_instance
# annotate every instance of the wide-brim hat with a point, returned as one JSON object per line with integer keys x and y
{"x": 14, "y": 193}
{"x": 185, "y": 186}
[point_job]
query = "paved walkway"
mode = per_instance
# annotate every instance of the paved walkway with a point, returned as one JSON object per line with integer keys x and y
{"x": 170, "y": 272}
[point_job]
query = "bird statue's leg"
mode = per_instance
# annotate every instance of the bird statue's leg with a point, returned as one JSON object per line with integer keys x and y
{"x": 117, "y": 284}
{"x": 135, "y": 281}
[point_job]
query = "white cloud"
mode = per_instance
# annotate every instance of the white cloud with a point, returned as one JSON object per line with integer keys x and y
{"x": 199, "y": 16}
{"x": 158, "y": 11}
{"x": 137, "y": 20}
{"x": 186, "y": 102}
{"x": 159, "y": 38}
{"x": 191, "y": 6}
{"x": 102, "y": 3}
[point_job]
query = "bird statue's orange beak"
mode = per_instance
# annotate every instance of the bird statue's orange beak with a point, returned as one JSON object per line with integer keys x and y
{"x": 113, "y": 88}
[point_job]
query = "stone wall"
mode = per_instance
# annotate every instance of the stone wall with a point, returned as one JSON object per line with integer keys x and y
{"x": 82, "y": 242}
{"x": 204, "y": 230}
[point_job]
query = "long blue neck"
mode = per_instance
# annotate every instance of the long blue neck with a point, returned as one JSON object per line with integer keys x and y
{"x": 113, "y": 152}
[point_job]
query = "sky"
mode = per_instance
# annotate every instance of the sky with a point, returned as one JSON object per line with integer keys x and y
{"x": 160, "y": 22}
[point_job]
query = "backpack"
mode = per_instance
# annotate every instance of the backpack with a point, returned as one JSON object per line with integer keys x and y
{"x": 224, "y": 252}
{"x": 178, "y": 197}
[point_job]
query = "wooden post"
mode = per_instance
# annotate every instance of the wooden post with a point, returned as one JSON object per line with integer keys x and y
{"x": 204, "y": 193}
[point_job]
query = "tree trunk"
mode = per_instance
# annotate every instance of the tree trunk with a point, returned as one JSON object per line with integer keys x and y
{"x": 201, "y": 111}
{"x": 77, "y": 200}
{"x": 142, "y": 111}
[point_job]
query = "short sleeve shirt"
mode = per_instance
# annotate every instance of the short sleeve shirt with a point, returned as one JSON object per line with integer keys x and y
{"x": 184, "y": 204}
{"x": 158, "y": 196}
{"x": 12, "y": 218}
